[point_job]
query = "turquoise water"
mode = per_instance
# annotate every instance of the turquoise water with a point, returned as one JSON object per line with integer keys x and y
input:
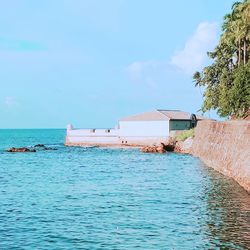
{"x": 99, "y": 198}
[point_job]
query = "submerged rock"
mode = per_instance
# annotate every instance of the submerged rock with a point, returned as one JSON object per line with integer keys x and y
{"x": 39, "y": 146}
{"x": 21, "y": 150}
{"x": 45, "y": 148}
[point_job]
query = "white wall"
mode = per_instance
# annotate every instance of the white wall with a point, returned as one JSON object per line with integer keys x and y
{"x": 143, "y": 132}
{"x": 89, "y": 132}
{"x": 129, "y": 133}
{"x": 87, "y": 136}
{"x": 144, "y": 128}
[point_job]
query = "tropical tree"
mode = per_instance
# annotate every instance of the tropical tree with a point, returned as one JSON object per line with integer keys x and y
{"x": 227, "y": 79}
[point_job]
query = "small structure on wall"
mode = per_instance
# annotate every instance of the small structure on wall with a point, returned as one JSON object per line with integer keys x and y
{"x": 147, "y": 128}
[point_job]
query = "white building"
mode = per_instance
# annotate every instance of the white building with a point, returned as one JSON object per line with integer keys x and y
{"x": 146, "y": 128}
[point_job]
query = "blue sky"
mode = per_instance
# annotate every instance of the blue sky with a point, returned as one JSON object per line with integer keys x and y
{"x": 90, "y": 62}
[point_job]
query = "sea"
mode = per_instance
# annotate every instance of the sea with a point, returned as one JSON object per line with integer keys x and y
{"x": 110, "y": 198}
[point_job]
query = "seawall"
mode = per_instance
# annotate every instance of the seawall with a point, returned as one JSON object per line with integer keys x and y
{"x": 225, "y": 146}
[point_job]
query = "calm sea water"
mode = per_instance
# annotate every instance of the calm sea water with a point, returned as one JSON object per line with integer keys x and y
{"x": 100, "y": 198}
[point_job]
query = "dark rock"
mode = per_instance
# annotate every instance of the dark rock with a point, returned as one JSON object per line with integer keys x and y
{"x": 46, "y": 148}
{"x": 39, "y": 146}
{"x": 43, "y": 147}
{"x": 22, "y": 150}
{"x": 170, "y": 146}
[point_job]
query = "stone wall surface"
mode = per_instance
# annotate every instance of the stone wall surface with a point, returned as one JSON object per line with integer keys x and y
{"x": 225, "y": 146}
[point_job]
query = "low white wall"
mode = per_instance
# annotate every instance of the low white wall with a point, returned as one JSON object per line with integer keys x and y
{"x": 129, "y": 133}
{"x": 91, "y": 136}
{"x": 92, "y": 132}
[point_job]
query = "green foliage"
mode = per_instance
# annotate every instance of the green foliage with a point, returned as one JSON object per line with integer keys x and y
{"x": 184, "y": 135}
{"x": 226, "y": 80}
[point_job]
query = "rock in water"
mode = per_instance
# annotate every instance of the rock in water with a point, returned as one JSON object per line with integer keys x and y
{"x": 21, "y": 150}
{"x": 39, "y": 146}
{"x": 43, "y": 147}
{"x": 154, "y": 149}
{"x": 46, "y": 148}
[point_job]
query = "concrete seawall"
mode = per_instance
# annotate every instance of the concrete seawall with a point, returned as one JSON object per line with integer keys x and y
{"x": 225, "y": 146}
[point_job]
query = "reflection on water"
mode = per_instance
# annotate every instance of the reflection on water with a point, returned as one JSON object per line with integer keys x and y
{"x": 227, "y": 213}
{"x": 94, "y": 198}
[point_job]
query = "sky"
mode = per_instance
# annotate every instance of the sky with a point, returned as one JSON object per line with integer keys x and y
{"x": 91, "y": 62}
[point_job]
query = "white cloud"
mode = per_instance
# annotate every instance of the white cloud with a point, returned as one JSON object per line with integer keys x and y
{"x": 193, "y": 56}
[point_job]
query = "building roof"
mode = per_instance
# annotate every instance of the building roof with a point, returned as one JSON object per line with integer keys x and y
{"x": 146, "y": 116}
{"x": 160, "y": 115}
{"x": 175, "y": 114}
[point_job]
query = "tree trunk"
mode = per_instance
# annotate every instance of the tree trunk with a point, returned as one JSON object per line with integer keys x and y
{"x": 244, "y": 51}
{"x": 239, "y": 54}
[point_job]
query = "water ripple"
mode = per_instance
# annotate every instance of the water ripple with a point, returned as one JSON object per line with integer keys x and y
{"x": 94, "y": 198}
